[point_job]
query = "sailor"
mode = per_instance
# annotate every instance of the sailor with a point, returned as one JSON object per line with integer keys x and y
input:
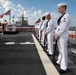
{"x": 49, "y": 33}
{"x": 61, "y": 34}
{"x": 5, "y": 21}
{"x": 13, "y": 26}
{"x": 40, "y": 25}
{"x": 43, "y": 29}
{"x": 36, "y": 27}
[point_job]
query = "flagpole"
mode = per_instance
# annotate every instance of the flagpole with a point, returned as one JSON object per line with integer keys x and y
{"x": 10, "y": 17}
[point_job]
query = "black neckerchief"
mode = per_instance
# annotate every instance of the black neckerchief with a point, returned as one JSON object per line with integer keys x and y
{"x": 47, "y": 24}
{"x": 58, "y": 21}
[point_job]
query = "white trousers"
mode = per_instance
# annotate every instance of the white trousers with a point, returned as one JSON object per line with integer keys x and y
{"x": 63, "y": 54}
{"x": 6, "y": 27}
{"x": 39, "y": 34}
{"x": 13, "y": 28}
{"x": 50, "y": 43}
{"x": 43, "y": 37}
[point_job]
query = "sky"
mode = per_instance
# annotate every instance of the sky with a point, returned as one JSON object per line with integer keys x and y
{"x": 34, "y": 9}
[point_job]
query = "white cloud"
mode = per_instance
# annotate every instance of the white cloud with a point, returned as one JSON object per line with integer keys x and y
{"x": 3, "y": 1}
{"x": 32, "y": 8}
{"x": 7, "y": 4}
{"x": 26, "y": 13}
{"x": 19, "y": 5}
{"x": 39, "y": 12}
{"x": 55, "y": 15}
{"x": 17, "y": 10}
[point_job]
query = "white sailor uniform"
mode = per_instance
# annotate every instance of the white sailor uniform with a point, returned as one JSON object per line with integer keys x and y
{"x": 36, "y": 30}
{"x": 62, "y": 32}
{"x": 39, "y": 28}
{"x": 50, "y": 34}
{"x": 43, "y": 29}
{"x": 13, "y": 26}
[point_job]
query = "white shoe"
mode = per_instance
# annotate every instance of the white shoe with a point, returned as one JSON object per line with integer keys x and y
{"x": 58, "y": 62}
{"x": 51, "y": 53}
{"x": 47, "y": 50}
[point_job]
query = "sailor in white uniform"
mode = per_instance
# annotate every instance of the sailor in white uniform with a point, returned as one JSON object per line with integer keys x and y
{"x": 43, "y": 29}
{"x": 39, "y": 28}
{"x": 49, "y": 33}
{"x": 40, "y": 24}
{"x": 13, "y": 26}
{"x": 61, "y": 34}
{"x": 36, "y": 27}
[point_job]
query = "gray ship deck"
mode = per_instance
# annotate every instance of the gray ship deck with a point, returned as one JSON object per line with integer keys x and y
{"x": 19, "y": 55}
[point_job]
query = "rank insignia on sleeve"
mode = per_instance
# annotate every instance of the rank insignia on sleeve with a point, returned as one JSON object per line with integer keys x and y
{"x": 64, "y": 19}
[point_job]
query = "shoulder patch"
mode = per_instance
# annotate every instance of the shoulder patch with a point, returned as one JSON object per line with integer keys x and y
{"x": 64, "y": 20}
